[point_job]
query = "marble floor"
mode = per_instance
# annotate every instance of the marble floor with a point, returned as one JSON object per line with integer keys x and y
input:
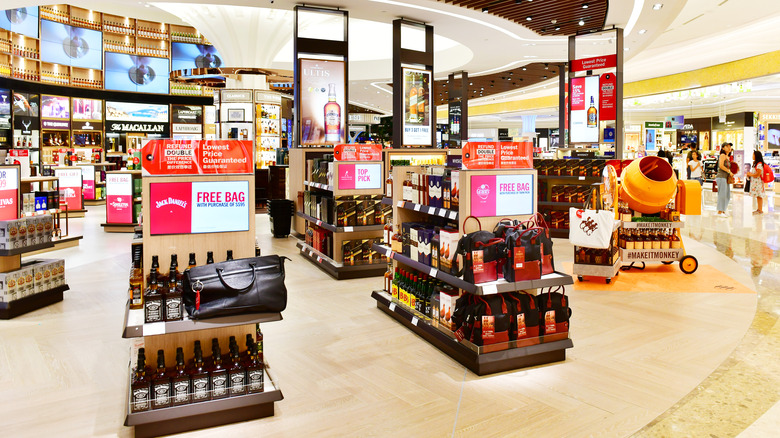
{"x": 643, "y": 363}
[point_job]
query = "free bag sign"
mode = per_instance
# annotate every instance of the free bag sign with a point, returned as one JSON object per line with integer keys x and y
{"x": 119, "y": 198}
{"x": 198, "y": 207}
{"x": 71, "y": 187}
{"x": 360, "y": 176}
{"x": 9, "y": 193}
{"x": 502, "y": 195}
{"x": 197, "y": 157}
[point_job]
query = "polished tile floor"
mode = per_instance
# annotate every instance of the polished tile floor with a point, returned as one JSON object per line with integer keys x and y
{"x": 644, "y": 364}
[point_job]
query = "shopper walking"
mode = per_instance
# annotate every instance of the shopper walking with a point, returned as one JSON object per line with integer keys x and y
{"x": 722, "y": 179}
{"x": 694, "y": 166}
{"x": 757, "y": 181}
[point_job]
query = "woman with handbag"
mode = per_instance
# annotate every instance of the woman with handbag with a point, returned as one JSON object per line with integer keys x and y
{"x": 757, "y": 181}
{"x": 724, "y": 178}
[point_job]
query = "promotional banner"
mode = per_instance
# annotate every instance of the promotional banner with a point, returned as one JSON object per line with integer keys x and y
{"x": 584, "y": 112}
{"x": 5, "y": 108}
{"x": 26, "y": 112}
{"x": 87, "y": 109}
{"x": 498, "y": 155}
{"x": 502, "y": 195}
{"x": 55, "y": 107}
{"x": 21, "y": 20}
{"x": 88, "y": 181}
{"x": 187, "y": 114}
{"x": 136, "y": 112}
{"x": 609, "y": 135}
{"x": 9, "y": 193}
{"x": 119, "y": 198}
{"x": 358, "y": 152}
{"x": 417, "y": 108}
{"x": 70, "y": 187}
{"x": 674, "y": 122}
{"x": 650, "y": 134}
{"x": 69, "y": 45}
{"x": 196, "y": 157}
{"x": 143, "y": 74}
{"x": 198, "y": 207}
{"x": 585, "y": 64}
{"x": 607, "y": 87}
{"x": 323, "y": 102}
{"x": 360, "y": 176}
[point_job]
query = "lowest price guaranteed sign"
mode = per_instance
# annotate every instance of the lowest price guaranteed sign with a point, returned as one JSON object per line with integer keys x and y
{"x": 197, "y": 157}
{"x": 198, "y": 207}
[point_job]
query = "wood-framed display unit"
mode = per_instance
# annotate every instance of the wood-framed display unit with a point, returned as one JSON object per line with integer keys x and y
{"x": 121, "y": 187}
{"x": 480, "y": 360}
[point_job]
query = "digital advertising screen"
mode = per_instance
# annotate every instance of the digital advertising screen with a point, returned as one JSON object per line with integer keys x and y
{"x": 198, "y": 207}
{"x": 5, "y": 108}
{"x": 55, "y": 107}
{"x": 136, "y": 112}
{"x": 26, "y": 104}
{"x": 87, "y": 109}
{"x": 143, "y": 74}
{"x": 584, "y": 116}
{"x": 188, "y": 56}
{"x": 20, "y": 20}
{"x": 323, "y": 102}
{"x": 502, "y": 195}
{"x": 417, "y": 108}
{"x": 69, "y": 45}
{"x": 773, "y": 135}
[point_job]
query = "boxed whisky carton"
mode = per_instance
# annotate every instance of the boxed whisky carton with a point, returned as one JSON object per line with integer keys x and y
{"x": 48, "y": 228}
{"x": 447, "y": 299}
{"x": 21, "y": 230}
{"x": 454, "y": 189}
{"x": 8, "y": 234}
{"x": 448, "y": 243}
{"x": 32, "y": 236}
{"x": 8, "y": 286}
{"x": 29, "y": 279}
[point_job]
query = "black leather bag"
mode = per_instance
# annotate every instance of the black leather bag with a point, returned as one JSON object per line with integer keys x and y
{"x": 252, "y": 285}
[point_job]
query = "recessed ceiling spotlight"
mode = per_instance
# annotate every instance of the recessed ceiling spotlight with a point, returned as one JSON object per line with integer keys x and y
{"x": 584, "y": 6}
{"x": 544, "y": 77}
{"x": 524, "y": 69}
{"x": 642, "y": 31}
{"x": 581, "y": 23}
{"x": 485, "y": 10}
{"x": 511, "y": 73}
{"x": 557, "y": 27}
{"x": 658, "y": 6}
{"x": 553, "y": 21}
{"x": 529, "y": 18}
{"x": 546, "y": 66}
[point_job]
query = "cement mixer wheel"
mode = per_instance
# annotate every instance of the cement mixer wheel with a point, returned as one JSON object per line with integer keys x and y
{"x": 689, "y": 264}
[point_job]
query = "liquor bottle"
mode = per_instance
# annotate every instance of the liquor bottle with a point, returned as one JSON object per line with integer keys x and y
{"x": 161, "y": 384}
{"x": 389, "y": 185}
{"x": 229, "y": 255}
{"x": 136, "y": 286}
{"x": 218, "y": 378}
{"x": 407, "y": 192}
{"x": 378, "y": 214}
{"x": 155, "y": 267}
{"x": 259, "y": 342}
{"x": 388, "y": 233}
{"x": 332, "y": 117}
{"x": 199, "y": 377}
{"x": 647, "y": 240}
{"x": 674, "y": 241}
{"x": 412, "y": 291}
{"x": 394, "y": 285}
{"x": 413, "y": 100}
{"x": 173, "y": 301}
{"x": 388, "y": 280}
{"x": 174, "y": 276}
{"x": 254, "y": 370}
{"x": 192, "y": 263}
{"x": 656, "y": 239}
{"x": 250, "y": 341}
{"x": 665, "y": 242}
{"x": 180, "y": 381}
{"x": 236, "y": 373}
{"x": 209, "y": 257}
{"x": 592, "y": 114}
{"x": 140, "y": 388}
{"x": 421, "y": 101}
{"x": 153, "y": 301}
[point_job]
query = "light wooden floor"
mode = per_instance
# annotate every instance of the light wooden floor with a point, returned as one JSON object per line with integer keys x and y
{"x": 346, "y": 369}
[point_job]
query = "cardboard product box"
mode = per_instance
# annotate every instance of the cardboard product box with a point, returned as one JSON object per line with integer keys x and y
{"x": 48, "y": 228}
{"x": 435, "y": 306}
{"x": 448, "y": 243}
{"x": 447, "y": 299}
{"x": 8, "y": 286}
{"x": 446, "y": 190}
{"x": 38, "y": 283}
{"x": 346, "y": 252}
{"x": 414, "y": 242}
{"x": 32, "y": 230}
{"x": 454, "y": 189}
{"x": 8, "y": 233}
{"x": 21, "y": 230}
{"x": 29, "y": 279}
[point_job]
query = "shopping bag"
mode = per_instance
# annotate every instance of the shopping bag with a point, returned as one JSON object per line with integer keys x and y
{"x": 591, "y": 228}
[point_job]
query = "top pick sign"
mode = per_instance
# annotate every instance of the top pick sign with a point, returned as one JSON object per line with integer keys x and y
{"x": 498, "y": 155}
{"x": 197, "y": 157}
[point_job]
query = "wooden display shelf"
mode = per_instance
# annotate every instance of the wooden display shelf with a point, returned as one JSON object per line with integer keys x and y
{"x": 432, "y": 211}
{"x": 588, "y": 179}
{"x": 38, "y": 179}
{"x": 493, "y": 287}
{"x": 338, "y": 270}
{"x": 318, "y": 185}
{"x": 26, "y": 249}
{"x": 119, "y": 228}
{"x": 135, "y": 327}
{"x": 59, "y": 243}
{"x": 31, "y": 302}
{"x": 335, "y": 229}
{"x": 93, "y": 202}
{"x": 206, "y": 414}
{"x": 75, "y": 214}
{"x": 605, "y": 271}
{"x": 480, "y": 364}
{"x": 561, "y": 204}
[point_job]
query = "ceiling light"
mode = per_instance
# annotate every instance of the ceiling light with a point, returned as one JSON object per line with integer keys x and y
{"x": 524, "y": 69}
{"x": 510, "y": 73}
{"x": 517, "y": 2}
{"x": 658, "y": 6}
{"x": 485, "y": 10}
{"x": 581, "y": 23}
{"x": 557, "y": 27}
{"x": 544, "y": 77}
{"x": 584, "y": 6}
{"x": 642, "y": 31}
{"x": 529, "y": 18}
{"x": 546, "y": 66}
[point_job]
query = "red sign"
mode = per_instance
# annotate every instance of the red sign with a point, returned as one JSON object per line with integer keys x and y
{"x": 578, "y": 94}
{"x": 119, "y": 198}
{"x": 607, "y": 61}
{"x": 498, "y": 155}
{"x": 358, "y": 152}
{"x": 197, "y": 157}
{"x": 607, "y": 88}
{"x": 71, "y": 187}
{"x": 9, "y": 193}
{"x": 198, "y": 207}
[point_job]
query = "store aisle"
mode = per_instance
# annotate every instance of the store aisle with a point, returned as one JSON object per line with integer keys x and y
{"x": 347, "y": 369}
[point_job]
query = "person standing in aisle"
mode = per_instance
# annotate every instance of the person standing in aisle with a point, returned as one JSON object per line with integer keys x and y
{"x": 757, "y": 181}
{"x": 722, "y": 179}
{"x": 694, "y": 166}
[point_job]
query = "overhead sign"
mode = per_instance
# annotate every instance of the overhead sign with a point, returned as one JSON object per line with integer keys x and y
{"x": 151, "y": 128}
{"x": 87, "y": 126}
{"x": 196, "y": 157}
{"x": 654, "y": 125}
{"x": 119, "y": 198}
{"x": 498, "y": 155}
{"x": 585, "y": 64}
{"x": 9, "y": 193}
{"x": 502, "y": 195}
{"x": 674, "y": 122}
{"x": 71, "y": 187}
{"x": 607, "y": 89}
{"x": 55, "y": 124}
{"x": 198, "y": 207}
{"x": 360, "y": 176}
{"x": 358, "y": 152}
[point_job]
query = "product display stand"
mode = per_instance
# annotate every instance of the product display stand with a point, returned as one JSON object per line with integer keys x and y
{"x": 480, "y": 360}
{"x": 60, "y": 172}
{"x": 299, "y": 177}
{"x": 546, "y": 202}
{"x": 123, "y": 187}
{"x": 98, "y": 183}
{"x": 62, "y": 238}
{"x": 168, "y": 336}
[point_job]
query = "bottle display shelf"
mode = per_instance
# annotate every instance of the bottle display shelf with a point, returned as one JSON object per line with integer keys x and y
{"x": 26, "y": 249}
{"x": 432, "y": 211}
{"x": 32, "y": 302}
{"x": 339, "y": 270}
{"x": 335, "y": 229}
{"x": 318, "y": 185}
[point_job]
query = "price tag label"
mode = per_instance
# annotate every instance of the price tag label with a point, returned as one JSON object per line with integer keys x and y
{"x": 442, "y": 212}
{"x": 155, "y": 328}
{"x": 348, "y": 229}
{"x": 489, "y": 289}
{"x": 319, "y": 222}
{"x": 319, "y": 259}
{"x": 390, "y": 255}
{"x": 392, "y": 307}
{"x": 400, "y": 204}
{"x": 431, "y": 210}
{"x": 582, "y": 178}
{"x": 414, "y": 321}
{"x": 306, "y": 183}
{"x": 417, "y": 207}
{"x": 453, "y": 214}
{"x": 433, "y": 272}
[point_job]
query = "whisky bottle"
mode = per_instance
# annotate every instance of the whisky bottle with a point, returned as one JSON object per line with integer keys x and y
{"x": 173, "y": 303}
{"x": 218, "y": 378}
{"x": 592, "y": 114}
{"x": 199, "y": 377}
{"x": 161, "y": 384}
{"x": 421, "y": 101}
{"x": 180, "y": 381}
{"x": 656, "y": 239}
{"x": 209, "y": 257}
{"x": 332, "y": 117}
{"x": 254, "y": 371}
{"x": 236, "y": 373}
{"x": 389, "y": 185}
{"x": 249, "y": 343}
{"x": 229, "y": 255}
{"x": 665, "y": 242}
{"x": 174, "y": 276}
{"x": 259, "y": 342}
{"x": 192, "y": 263}
{"x": 412, "y": 117}
{"x": 136, "y": 286}
{"x": 140, "y": 388}
{"x": 153, "y": 301}
{"x": 155, "y": 267}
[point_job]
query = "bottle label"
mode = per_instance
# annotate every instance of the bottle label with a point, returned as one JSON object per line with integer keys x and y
{"x": 153, "y": 311}
{"x": 135, "y": 292}
{"x": 181, "y": 391}
{"x": 173, "y": 309}
{"x": 219, "y": 385}
{"x": 256, "y": 380}
{"x": 140, "y": 399}
{"x": 200, "y": 388}
{"x": 407, "y": 193}
{"x": 162, "y": 394}
{"x": 332, "y": 121}
{"x": 394, "y": 289}
{"x": 237, "y": 382}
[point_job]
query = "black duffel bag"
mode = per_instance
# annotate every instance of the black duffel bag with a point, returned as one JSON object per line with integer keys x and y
{"x": 252, "y": 285}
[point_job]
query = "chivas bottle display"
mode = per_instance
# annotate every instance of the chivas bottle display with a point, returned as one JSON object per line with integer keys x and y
{"x": 592, "y": 114}
{"x": 332, "y": 117}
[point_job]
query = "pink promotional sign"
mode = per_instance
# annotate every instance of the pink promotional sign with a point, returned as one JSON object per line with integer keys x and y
{"x": 502, "y": 195}
{"x": 119, "y": 198}
{"x": 578, "y": 94}
{"x": 198, "y": 207}
{"x": 88, "y": 181}
{"x": 9, "y": 193}
{"x": 360, "y": 176}
{"x": 71, "y": 187}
